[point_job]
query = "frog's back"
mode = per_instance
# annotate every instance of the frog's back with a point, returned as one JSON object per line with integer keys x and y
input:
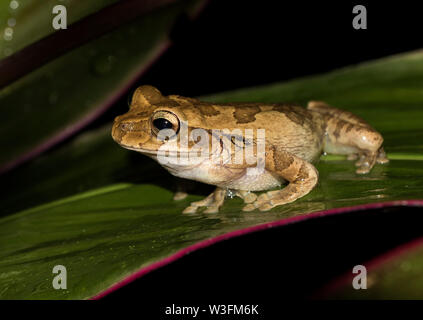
{"x": 294, "y": 129}
{"x": 288, "y": 127}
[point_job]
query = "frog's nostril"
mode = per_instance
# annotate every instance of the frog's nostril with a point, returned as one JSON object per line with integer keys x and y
{"x": 130, "y": 125}
{"x": 126, "y": 126}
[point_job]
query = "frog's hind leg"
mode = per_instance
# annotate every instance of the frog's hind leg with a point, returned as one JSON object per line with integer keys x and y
{"x": 301, "y": 175}
{"x": 350, "y": 135}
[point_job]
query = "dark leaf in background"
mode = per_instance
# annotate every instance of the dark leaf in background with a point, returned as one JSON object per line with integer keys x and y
{"x": 58, "y": 99}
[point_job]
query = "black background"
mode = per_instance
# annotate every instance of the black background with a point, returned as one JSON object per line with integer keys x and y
{"x": 234, "y": 44}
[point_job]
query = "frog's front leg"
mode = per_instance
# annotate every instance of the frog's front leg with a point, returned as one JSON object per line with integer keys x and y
{"x": 213, "y": 202}
{"x": 301, "y": 175}
{"x": 179, "y": 195}
{"x": 351, "y": 135}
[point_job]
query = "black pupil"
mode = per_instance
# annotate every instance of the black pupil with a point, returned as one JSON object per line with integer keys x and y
{"x": 162, "y": 123}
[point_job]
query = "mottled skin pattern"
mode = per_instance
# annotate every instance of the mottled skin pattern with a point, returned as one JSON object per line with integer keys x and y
{"x": 295, "y": 137}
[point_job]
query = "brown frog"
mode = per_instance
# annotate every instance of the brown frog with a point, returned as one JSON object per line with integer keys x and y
{"x": 293, "y": 138}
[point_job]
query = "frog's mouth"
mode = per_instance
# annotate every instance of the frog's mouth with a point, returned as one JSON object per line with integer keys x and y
{"x": 146, "y": 151}
{"x": 151, "y": 152}
{"x": 175, "y": 153}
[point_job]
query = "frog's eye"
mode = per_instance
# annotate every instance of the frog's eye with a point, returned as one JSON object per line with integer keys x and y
{"x": 162, "y": 123}
{"x": 162, "y": 120}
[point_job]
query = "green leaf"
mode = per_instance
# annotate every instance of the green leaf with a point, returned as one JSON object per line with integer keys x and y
{"x": 66, "y": 94}
{"x": 31, "y": 20}
{"x": 396, "y": 274}
{"x": 105, "y": 212}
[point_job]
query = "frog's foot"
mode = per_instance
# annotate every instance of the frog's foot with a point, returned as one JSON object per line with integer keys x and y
{"x": 270, "y": 199}
{"x": 367, "y": 160}
{"x": 247, "y": 196}
{"x": 213, "y": 202}
{"x": 179, "y": 195}
{"x": 381, "y": 157}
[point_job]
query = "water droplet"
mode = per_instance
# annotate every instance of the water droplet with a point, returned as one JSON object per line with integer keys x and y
{"x": 104, "y": 64}
{"x": 11, "y": 22}
{"x": 14, "y": 4}
{"x": 8, "y": 34}
{"x": 230, "y": 193}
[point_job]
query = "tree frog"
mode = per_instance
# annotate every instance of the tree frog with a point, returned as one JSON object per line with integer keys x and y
{"x": 294, "y": 138}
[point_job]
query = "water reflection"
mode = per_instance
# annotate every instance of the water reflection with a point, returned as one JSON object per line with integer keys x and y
{"x": 339, "y": 186}
{"x": 231, "y": 217}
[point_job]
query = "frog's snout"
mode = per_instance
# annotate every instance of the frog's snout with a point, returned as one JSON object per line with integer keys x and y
{"x": 128, "y": 125}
